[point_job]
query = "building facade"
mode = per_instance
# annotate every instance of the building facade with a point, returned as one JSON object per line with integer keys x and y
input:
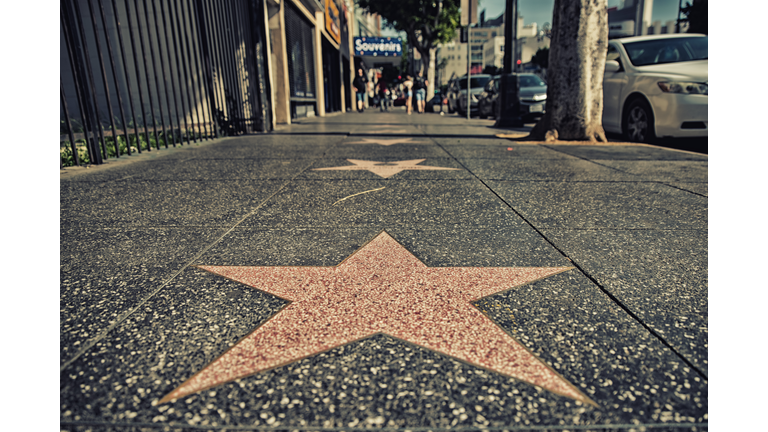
{"x": 487, "y": 47}
{"x": 633, "y": 18}
{"x": 454, "y": 53}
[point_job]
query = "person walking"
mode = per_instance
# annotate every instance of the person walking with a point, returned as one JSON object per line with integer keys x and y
{"x": 383, "y": 95}
{"x": 420, "y": 85}
{"x": 408, "y": 83}
{"x": 360, "y": 83}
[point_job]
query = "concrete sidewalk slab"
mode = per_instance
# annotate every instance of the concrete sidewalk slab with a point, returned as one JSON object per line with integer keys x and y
{"x": 625, "y": 323}
{"x": 498, "y": 149}
{"x": 544, "y": 169}
{"x": 604, "y": 205}
{"x": 400, "y": 203}
{"x": 626, "y": 151}
{"x": 641, "y": 268}
{"x": 107, "y": 271}
{"x": 157, "y": 202}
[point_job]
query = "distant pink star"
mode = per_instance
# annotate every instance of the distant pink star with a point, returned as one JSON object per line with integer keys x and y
{"x": 381, "y": 288}
{"x": 385, "y": 169}
{"x": 386, "y": 142}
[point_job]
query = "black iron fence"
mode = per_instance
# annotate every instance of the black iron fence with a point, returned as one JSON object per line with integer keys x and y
{"x": 143, "y": 74}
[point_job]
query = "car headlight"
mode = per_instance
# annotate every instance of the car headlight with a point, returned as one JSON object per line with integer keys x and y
{"x": 540, "y": 97}
{"x": 683, "y": 87}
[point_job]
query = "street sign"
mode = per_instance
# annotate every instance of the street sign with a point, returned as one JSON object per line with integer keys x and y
{"x": 468, "y": 12}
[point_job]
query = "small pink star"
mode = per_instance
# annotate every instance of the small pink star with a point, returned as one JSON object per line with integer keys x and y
{"x": 385, "y": 169}
{"x": 386, "y": 142}
{"x": 381, "y": 288}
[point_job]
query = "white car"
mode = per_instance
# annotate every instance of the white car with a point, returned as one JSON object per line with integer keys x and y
{"x": 656, "y": 86}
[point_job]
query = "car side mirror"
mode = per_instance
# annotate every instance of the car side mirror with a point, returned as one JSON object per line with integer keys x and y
{"x": 612, "y": 66}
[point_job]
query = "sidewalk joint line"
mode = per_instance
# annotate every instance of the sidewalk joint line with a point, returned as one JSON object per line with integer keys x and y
{"x": 587, "y": 275}
{"x": 684, "y": 190}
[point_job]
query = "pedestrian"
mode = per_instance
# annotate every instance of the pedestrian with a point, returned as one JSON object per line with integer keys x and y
{"x": 408, "y": 83}
{"x": 371, "y": 94}
{"x": 420, "y": 85}
{"x": 383, "y": 96}
{"x": 360, "y": 88}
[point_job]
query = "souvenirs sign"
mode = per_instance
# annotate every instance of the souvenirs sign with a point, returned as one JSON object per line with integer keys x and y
{"x": 378, "y": 46}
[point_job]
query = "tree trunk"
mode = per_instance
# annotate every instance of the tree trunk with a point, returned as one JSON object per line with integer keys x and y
{"x": 431, "y": 74}
{"x": 428, "y": 60}
{"x": 575, "y": 74}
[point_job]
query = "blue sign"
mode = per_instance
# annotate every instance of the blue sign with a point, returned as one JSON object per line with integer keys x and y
{"x": 378, "y": 46}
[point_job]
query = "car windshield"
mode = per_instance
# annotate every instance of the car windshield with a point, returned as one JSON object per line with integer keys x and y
{"x": 530, "y": 81}
{"x": 670, "y": 50}
{"x": 474, "y": 82}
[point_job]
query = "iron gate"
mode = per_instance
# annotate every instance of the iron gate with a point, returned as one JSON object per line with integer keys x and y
{"x": 141, "y": 74}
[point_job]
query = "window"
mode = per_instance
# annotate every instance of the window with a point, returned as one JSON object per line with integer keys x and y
{"x": 530, "y": 81}
{"x": 474, "y": 82}
{"x": 671, "y": 50}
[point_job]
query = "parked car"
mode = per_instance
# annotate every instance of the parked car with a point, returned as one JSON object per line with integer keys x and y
{"x": 476, "y": 85}
{"x": 657, "y": 86}
{"x": 532, "y": 94}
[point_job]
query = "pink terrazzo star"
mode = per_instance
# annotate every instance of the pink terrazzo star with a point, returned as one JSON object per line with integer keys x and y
{"x": 385, "y": 169}
{"x": 381, "y": 288}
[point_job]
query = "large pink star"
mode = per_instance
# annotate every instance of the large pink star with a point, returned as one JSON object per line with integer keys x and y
{"x": 381, "y": 288}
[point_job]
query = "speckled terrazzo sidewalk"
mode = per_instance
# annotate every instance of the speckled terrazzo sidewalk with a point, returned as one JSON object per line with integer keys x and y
{"x": 380, "y": 271}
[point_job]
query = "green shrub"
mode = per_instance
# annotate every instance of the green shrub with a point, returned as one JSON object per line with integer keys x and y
{"x": 145, "y": 142}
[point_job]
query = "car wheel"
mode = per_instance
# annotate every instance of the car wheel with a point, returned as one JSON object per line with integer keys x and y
{"x": 637, "y": 124}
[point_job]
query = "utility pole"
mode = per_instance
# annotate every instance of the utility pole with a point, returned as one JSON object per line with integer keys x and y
{"x": 468, "y": 17}
{"x": 469, "y": 65}
{"x": 510, "y": 37}
{"x": 509, "y": 111}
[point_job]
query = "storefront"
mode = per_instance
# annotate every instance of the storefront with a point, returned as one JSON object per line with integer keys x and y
{"x": 344, "y": 53}
{"x": 301, "y": 62}
{"x": 309, "y": 58}
{"x": 331, "y": 62}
